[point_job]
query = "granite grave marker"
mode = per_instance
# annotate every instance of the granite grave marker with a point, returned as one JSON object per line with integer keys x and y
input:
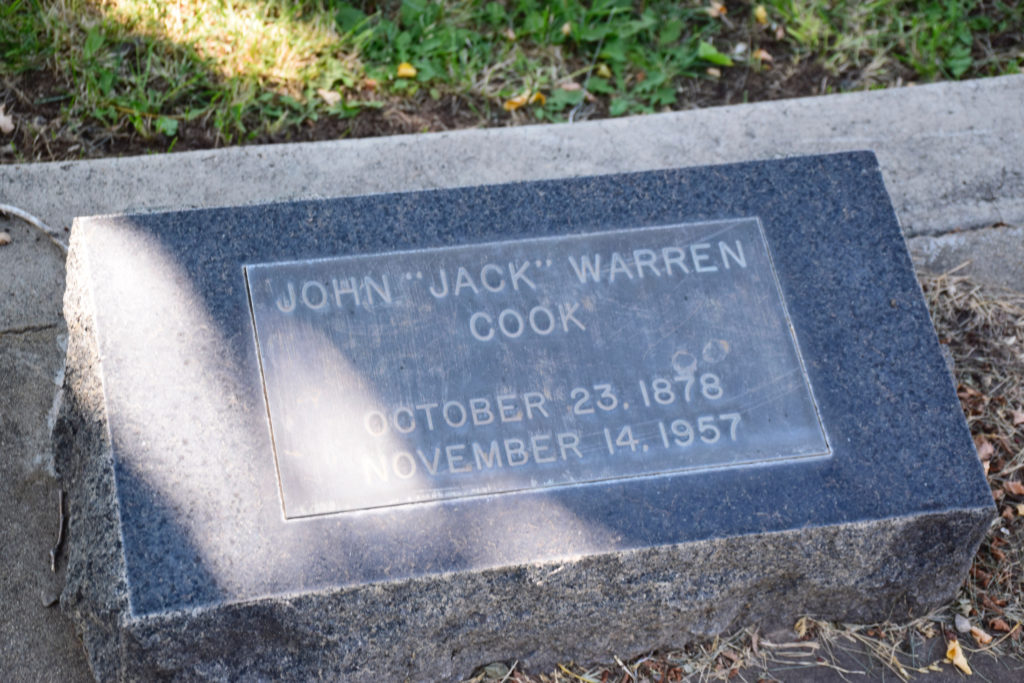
{"x": 405, "y": 435}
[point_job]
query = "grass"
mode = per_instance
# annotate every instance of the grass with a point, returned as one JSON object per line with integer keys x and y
{"x": 940, "y": 39}
{"x": 213, "y": 72}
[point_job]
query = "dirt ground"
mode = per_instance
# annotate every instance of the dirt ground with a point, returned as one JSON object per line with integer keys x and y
{"x": 44, "y": 132}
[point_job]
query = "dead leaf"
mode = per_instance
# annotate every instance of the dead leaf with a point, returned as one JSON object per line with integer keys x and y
{"x": 331, "y": 97}
{"x": 762, "y": 55}
{"x": 509, "y": 34}
{"x": 955, "y": 655}
{"x": 406, "y": 70}
{"x": 981, "y": 576}
{"x": 780, "y": 33}
{"x": 714, "y": 72}
{"x": 516, "y": 102}
{"x": 717, "y": 9}
{"x": 1014, "y": 488}
{"x": 998, "y": 624}
{"x": 980, "y": 636}
{"x": 603, "y": 71}
{"x": 989, "y": 604}
{"x": 984, "y": 446}
{"x": 5, "y": 239}
{"x": 370, "y": 83}
{"x": 569, "y": 86}
{"x": 524, "y": 99}
{"x": 761, "y": 15}
{"x": 6, "y": 122}
{"x": 1020, "y": 509}
{"x": 1018, "y": 417}
{"x": 566, "y": 28}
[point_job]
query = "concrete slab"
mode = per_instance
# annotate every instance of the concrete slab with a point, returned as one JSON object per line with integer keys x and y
{"x": 36, "y": 642}
{"x": 952, "y": 155}
{"x": 991, "y": 256}
{"x": 31, "y": 279}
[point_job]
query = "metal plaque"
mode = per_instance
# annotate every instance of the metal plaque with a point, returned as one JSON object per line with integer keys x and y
{"x": 422, "y": 375}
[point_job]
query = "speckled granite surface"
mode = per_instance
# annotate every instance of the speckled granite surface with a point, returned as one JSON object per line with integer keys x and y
{"x": 181, "y": 562}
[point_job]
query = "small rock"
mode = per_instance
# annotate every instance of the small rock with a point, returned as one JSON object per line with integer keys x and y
{"x": 5, "y": 239}
{"x": 496, "y": 670}
{"x": 6, "y": 121}
{"x": 962, "y": 624}
{"x": 49, "y": 597}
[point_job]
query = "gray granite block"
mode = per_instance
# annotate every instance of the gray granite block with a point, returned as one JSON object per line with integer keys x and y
{"x": 195, "y": 551}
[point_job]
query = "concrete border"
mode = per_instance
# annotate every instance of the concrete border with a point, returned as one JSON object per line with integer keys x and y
{"x": 952, "y": 155}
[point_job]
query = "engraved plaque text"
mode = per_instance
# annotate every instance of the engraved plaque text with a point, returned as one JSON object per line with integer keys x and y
{"x": 415, "y": 376}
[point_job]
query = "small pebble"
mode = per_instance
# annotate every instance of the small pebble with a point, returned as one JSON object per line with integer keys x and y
{"x": 49, "y": 597}
{"x": 5, "y": 239}
{"x": 962, "y": 623}
{"x": 497, "y": 670}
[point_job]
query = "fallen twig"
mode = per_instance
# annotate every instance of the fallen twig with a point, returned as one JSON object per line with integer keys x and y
{"x": 50, "y": 233}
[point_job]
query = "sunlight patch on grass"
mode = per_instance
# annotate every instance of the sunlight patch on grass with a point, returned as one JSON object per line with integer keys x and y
{"x": 282, "y": 45}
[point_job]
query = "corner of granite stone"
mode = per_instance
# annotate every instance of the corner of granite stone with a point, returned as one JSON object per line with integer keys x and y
{"x": 95, "y": 594}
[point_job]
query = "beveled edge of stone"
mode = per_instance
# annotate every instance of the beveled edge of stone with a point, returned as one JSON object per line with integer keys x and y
{"x": 445, "y": 626}
{"x": 95, "y": 595}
